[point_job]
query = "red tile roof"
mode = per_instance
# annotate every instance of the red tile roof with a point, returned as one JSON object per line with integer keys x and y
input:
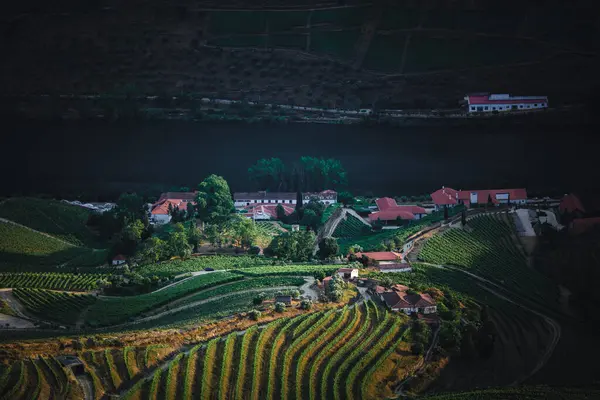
{"x": 379, "y": 289}
{"x": 405, "y": 300}
{"x": 412, "y": 209}
{"x": 162, "y": 208}
{"x": 571, "y": 203}
{"x": 483, "y": 195}
{"x": 381, "y": 255}
{"x": 347, "y": 269}
{"x": 511, "y": 100}
{"x": 391, "y": 215}
{"x": 400, "y": 288}
{"x": 119, "y": 257}
{"x": 269, "y": 209}
{"x": 386, "y": 203}
{"x": 444, "y": 196}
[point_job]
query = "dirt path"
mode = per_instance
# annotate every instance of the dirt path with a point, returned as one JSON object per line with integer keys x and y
{"x": 308, "y": 290}
{"x": 33, "y": 230}
{"x": 86, "y": 384}
{"x": 200, "y": 302}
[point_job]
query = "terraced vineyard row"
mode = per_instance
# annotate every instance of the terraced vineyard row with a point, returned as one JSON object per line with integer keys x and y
{"x": 490, "y": 250}
{"x": 109, "y": 311}
{"x": 309, "y": 356}
{"x": 39, "y": 378}
{"x": 267, "y": 228}
{"x": 61, "y": 307}
{"x": 297, "y": 270}
{"x": 350, "y": 227}
{"x": 49, "y": 280}
{"x": 199, "y": 263}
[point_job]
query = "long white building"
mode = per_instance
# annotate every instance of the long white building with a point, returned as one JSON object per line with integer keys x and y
{"x": 482, "y": 103}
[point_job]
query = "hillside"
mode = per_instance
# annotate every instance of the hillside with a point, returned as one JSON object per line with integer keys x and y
{"x": 401, "y": 54}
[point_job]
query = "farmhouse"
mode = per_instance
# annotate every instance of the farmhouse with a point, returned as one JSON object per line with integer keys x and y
{"x": 450, "y": 197}
{"x": 390, "y": 212}
{"x": 287, "y": 300}
{"x": 348, "y": 273}
{"x": 159, "y": 213}
{"x": 402, "y": 300}
{"x": 379, "y": 258}
{"x": 243, "y": 199}
{"x": 263, "y": 211}
{"x": 325, "y": 282}
{"x": 327, "y": 197}
{"x": 119, "y": 259}
{"x": 483, "y": 102}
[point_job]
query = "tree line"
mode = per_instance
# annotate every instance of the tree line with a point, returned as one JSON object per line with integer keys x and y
{"x": 308, "y": 174}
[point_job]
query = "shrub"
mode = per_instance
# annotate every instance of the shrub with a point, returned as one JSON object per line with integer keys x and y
{"x": 254, "y": 250}
{"x": 306, "y": 304}
{"x": 255, "y": 315}
{"x": 279, "y": 307}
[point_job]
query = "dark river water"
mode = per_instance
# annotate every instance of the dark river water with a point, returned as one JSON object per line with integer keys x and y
{"x": 69, "y": 157}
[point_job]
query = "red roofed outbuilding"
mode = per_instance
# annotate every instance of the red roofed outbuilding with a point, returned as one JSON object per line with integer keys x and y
{"x": 484, "y": 102}
{"x": 450, "y": 197}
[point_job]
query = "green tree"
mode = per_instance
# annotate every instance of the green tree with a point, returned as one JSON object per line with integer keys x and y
{"x": 193, "y": 235}
{"x": 255, "y": 315}
{"x": 279, "y": 307}
{"x": 295, "y": 246}
{"x": 328, "y": 247}
{"x": 214, "y": 202}
{"x": 450, "y": 336}
{"x": 345, "y": 198}
{"x": 355, "y": 248}
{"x": 319, "y": 275}
{"x": 306, "y": 304}
{"x": 242, "y": 230}
{"x": 445, "y": 212}
{"x": 280, "y": 212}
{"x": 463, "y": 218}
{"x": 152, "y": 251}
{"x": 130, "y": 207}
{"x": 268, "y": 174}
{"x": 177, "y": 245}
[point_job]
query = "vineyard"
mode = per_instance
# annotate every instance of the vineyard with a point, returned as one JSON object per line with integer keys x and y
{"x": 56, "y": 218}
{"x": 39, "y": 378}
{"x": 23, "y": 249}
{"x": 109, "y": 311}
{"x": 329, "y": 212}
{"x": 327, "y": 354}
{"x": 49, "y": 280}
{"x": 222, "y": 301}
{"x": 171, "y": 268}
{"x": 350, "y": 227}
{"x": 110, "y": 369}
{"x": 56, "y": 306}
{"x": 268, "y": 228}
{"x": 521, "y": 338}
{"x": 298, "y": 270}
{"x": 491, "y": 251}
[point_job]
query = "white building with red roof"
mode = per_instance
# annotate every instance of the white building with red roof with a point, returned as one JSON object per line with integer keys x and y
{"x": 390, "y": 211}
{"x": 401, "y": 299}
{"x": 386, "y": 261}
{"x": 450, "y": 197}
{"x": 348, "y": 273}
{"x": 262, "y": 211}
{"x": 119, "y": 259}
{"x": 484, "y": 102}
{"x": 159, "y": 213}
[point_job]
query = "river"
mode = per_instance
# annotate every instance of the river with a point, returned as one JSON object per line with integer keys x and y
{"x": 68, "y": 157}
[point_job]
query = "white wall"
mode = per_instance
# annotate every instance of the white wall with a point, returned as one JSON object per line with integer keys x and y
{"x": 243, "y": 203}
{"x": 506, "y": 107}
{"x": 160, "y": 219}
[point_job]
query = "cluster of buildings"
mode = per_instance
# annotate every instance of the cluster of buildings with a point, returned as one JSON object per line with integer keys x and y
{"x": 159, "y": 211}
{"x": 580, "y": 213}
{"x": 401, "y": 299}
{"x": 490, "y": 103}
{"x": 384, "y": 261}
{"x": 448, "y": 197}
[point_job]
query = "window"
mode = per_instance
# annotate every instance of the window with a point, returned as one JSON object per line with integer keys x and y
{"x": 520, "y": 105}
{"x": 514, "y": 107}
{"x": 479, "y": 108}
{"x": 487, "y": 108}
{"x": 493, "y": 108}
{"x": 535, "y": 105}
{"x": 472, "y": 108}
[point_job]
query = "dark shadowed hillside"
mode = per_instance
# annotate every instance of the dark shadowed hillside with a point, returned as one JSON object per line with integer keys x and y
{"x": 411, "y": 54}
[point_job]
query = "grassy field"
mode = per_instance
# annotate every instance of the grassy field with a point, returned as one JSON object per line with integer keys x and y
{"x": 56, "y": 218}
{"x": 328, "y": 354}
